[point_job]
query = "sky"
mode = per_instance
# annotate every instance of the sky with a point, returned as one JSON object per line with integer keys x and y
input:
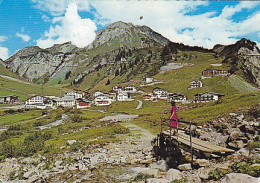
{"x": 202, "y": 23}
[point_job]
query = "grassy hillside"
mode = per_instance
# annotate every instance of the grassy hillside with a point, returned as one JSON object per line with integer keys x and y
{"x": 23, "y": 90}
{"x": 6, "y": 72}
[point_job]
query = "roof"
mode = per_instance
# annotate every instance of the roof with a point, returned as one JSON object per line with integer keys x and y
{"x": 67, "y": 98}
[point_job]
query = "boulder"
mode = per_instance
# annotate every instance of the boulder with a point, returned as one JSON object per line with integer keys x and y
{"x": 70, "y": 142}
{"x": 154, "y": 180}
{"x": 162, "y": 165}
{"x": 202, "y": 162}
{"x": 186, "y": 166}
{"x": 28, "y": 174}
{"x": 239, "y": 178}
{"x": 235, "y": 134}
{"x": 204, "y": 173}
{"x": 149, "y": 171}
{"x": 173, "y": 174}
{"x": 222, "y": 166}
{"x": 239, "y": 144}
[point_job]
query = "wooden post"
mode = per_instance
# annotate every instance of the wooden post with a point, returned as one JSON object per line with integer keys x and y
{"x": 191, "y": 147}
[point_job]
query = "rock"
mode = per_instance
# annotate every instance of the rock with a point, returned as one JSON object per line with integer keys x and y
{"x": 221, "y": 166}
{"x": 255, "y": 165}
{"x": 240, "y": 117}
{"x": 149, "y": 171}
{"x": 236, "y": 144}
{"x": 235, "y": 134}
{"x": 58, "y": 163}
{"x": 204, "y": 173}
{"x": 26, "y": 175}
{"x": 239, "y": 178}
{"x": 154, "y": 180}
{"x": 243, "y": 152}
{"x": 159, "y": 165}
{"x": 32, "y": 179}
{"x": 70, "y": 142}
{"x": 186, "y": 166}
{"x": 173, "y": 174}
{"x": 202, "y": 162}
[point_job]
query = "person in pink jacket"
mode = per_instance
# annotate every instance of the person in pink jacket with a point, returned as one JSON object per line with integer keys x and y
{"x": 174, "y": 119}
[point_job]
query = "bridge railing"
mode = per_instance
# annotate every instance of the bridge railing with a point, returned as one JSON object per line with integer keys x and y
{"x": 182, "y": 129}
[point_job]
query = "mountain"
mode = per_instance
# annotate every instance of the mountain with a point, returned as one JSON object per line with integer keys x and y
{"x": 34, "y": 63}
{"x": 128, "y": 35}
{"x": 243, "y": 57}
{"x": 64, "y": 62}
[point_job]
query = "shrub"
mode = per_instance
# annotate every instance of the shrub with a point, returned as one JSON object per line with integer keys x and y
{"x": 76, "y": 118}
{"x": 142, "y": 176}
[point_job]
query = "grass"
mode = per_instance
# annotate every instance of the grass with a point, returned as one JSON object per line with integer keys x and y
{"x": 10, "y": 87}
{"x": 212, "y": 110}
{"x": 11, "y": 119}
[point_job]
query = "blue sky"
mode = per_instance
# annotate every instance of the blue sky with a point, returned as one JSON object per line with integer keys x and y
{"x": 47, "y": 22}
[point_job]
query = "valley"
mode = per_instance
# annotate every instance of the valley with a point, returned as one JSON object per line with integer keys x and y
{"x": 90, "y": 114}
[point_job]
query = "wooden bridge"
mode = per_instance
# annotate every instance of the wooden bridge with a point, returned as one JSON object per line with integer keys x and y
{"x": 166, "y": 145}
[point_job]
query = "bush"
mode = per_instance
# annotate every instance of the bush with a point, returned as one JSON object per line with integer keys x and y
{"x": 142, "y": 176}
{"x": 217, "y": 174}
{"x": 76, "y": 118}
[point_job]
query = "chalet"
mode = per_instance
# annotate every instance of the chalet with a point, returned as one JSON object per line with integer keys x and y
{"x": 208, "y": 73}
{"x": 150, "y": 97}
{"x": 148, "y": 80}
{"x": 123, "y": 96}
{"x": 195, "y": 84}
{"x": 11, "y": 99}
{"x": 36, "y": 100}
{"x": 83, "y": 103}
{"x": 66, "y": 101}
{"x": 176, "y": 97}
{"x": 130, "y": 89}
{"x": 117, "y": 88}
{"x": 160, "y": 93}
{"x": 75, "y": 95}
{"x": 209, "y": 96}
{"x": 102, "y": 100}
{"x": 97, "y": 93}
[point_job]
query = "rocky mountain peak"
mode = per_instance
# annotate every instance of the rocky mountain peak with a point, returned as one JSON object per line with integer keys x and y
{"x": 241, "y": 47}
{"x": 126, "y": 33}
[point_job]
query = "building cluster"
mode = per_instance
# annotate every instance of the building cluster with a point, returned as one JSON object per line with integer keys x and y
{"x": 10, "y": 99}
{"x": 118, "y": 93}
{"x": 159, "y": 93}
{"x": 209, "y": 73}
{"x": 79, "y": 100}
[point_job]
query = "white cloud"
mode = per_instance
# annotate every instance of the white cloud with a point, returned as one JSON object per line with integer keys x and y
{"x": 58, "y": 7}
{"x": 46, "y": 18}
{"x": 170, "y": 19}
{"x": 24, "y": 37}
{"x": 4, "y": 53}
{"x": 3, "y": 39}
{"x": 71, "y": 27}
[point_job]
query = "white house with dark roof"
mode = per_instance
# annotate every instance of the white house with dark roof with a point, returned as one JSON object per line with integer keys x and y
{"x": 195, "y": 84}
{"x": 123, "y": 96}
{"x": 209, "y": 96}
{"x": 102, "y": 100}
{"x": 66, "y": 101}
{"x": 130, "y": 89}
{"x": 75, "y": 94}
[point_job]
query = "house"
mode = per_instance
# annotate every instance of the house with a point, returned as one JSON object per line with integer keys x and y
{"x": 11, "y": 99}
{"x": 208, "y": 73}
{"x": 102, "y": 100}
{"x": 130, "y": 89}
{"x": 117, "y": 88}
{"x": 209, "y": 96}
{"x": 150, "y": 97}
{"x": 148, "y": 80}
{"x": 123, "y": 96}
{"x": 160, "y": 93}
{"x": 66, "y": 101}
{"x": 97, "y": 93}
{"x": 176, "y": 97}
{"x": 83, "y": 103}
{"x": 75, "y": 94}
{"x": 36, "y": 100}
{"x": 195, "y": 84}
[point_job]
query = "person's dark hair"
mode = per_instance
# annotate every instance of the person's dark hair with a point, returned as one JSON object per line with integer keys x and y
{"x": 173, "y": 103}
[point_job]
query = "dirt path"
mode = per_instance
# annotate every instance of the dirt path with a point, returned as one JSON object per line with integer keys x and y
{"x": 140, "y": 104}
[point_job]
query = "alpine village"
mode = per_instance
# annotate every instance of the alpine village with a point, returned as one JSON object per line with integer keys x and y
{"x": 102, "y": 113}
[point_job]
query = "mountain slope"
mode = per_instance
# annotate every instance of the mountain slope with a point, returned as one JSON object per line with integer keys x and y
{"x": 34, "y": 63}
{"x": 243, "y": 57}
